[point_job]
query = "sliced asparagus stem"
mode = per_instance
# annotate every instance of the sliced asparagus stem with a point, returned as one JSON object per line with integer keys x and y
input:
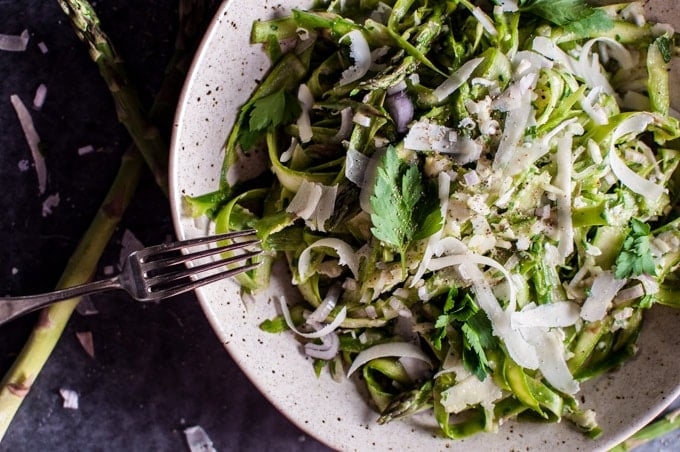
{"x": 81, "y": 266}
{"x": 652, "y": 431}
{"x": 79, "y": 269}
{"x": 129, "y": 109}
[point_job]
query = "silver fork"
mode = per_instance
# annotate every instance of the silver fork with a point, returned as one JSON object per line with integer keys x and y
{"x": 157, "y": 272}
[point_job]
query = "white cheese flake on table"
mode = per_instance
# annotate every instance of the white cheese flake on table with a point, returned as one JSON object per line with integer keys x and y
{"x": 33, "y": 140}
{"x": 39, "y": 98}
{"x": 87, "y": 149}
{"x": 70, "y": 398}
{"x": 49, "y": 204}
{"x": 14, "y": 43}
{"x": 198, "y": 440}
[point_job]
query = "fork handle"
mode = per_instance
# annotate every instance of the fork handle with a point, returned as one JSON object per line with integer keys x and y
{"x": 13, "y": 307}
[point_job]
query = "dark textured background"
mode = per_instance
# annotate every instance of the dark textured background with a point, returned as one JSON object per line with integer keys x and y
{"x": 158, "y": 368}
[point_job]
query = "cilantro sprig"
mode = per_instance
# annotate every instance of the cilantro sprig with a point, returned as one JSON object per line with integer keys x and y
{"x": 403, "y": 206}
{"x": 636, "y": 256}
{"x": 267, "y": 113}
{"x": 477, "y": 339}
{"x": 575, "y": 15}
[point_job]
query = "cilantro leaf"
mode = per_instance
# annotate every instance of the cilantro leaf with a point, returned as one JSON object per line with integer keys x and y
{"x": 267, "y": 113}
{"x": 664, "y": 45}
{"x": 477, "y": 338}
{"x": 575, "y": 15}
{"x": 636, "y": 256}
{"x": 456, "y": 309}
{"x": 402, "y": 210}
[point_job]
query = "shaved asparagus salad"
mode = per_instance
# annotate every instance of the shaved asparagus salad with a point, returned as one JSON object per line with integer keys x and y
{"x": 476, "y": 200}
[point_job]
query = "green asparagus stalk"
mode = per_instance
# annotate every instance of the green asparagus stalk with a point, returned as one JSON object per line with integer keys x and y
{"x": 652, "y": 431}
{"x": 128, "y": 105}
{"x": 81, "y": 266}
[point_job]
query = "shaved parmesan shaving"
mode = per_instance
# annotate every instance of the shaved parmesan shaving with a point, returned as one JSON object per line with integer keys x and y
{"x": 636, "y": 124}
{"x": 518, "y": 348}
{"x": 324, "y": 208}
{"x": 563, "y": 181}
{"x": 345, "y": 129}
{"x": 515, "y": 126}
{"x": 548, "y": 48}
{"x": 471, "y": 391}
{"x": 456, "y": 79}
{"x": 630, "y": 293}
{"x": 33, "y": 140}
{"x": 70, "y": 398}
{"x": 508, "y": 6}
{"x": 314, "y": 203}
{"x": 303, "y": 122}
{"x": 43, "y": 47}
{"x": 428, "y": 136}
{"x": 550, "y": 352}
{"x": 361, "y": 53}
{"x": 396, "y": 349}
{"x": 556, "y": 314}
{"x": 305, "y": 200}
{"x": 14, "y": 43}
{"x": 526, "y": 61}
{"x": 484, "y": 21}
{"x": 475, "y": 259}
{"x": 345, "y": 252}
{"x": 355, "y": 166}
{"x": 327, "y": 329}
{"x": 198, "y": 440}
{"x": 604, "y": 289}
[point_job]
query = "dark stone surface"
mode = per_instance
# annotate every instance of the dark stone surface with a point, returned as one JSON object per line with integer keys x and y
{"x": 158, "y": 368}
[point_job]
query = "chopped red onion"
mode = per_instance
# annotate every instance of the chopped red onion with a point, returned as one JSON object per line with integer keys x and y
{"x": 401, "y": 109}
{"x": 320, "y": 314}
{"x": 330, "y": 344}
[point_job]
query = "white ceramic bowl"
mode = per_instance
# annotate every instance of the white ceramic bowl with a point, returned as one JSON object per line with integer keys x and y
{"x": 223, "y": 75}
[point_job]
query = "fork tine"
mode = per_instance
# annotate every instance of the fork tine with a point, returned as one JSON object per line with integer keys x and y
{"x": 160, "y": 262}
{"x": 174, "y": 246}
{"x": 183, "y": 272}
{"x": 182, "y": 288}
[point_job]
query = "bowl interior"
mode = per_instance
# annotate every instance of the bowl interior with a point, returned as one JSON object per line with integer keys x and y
{"x": 226, "y": 70}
